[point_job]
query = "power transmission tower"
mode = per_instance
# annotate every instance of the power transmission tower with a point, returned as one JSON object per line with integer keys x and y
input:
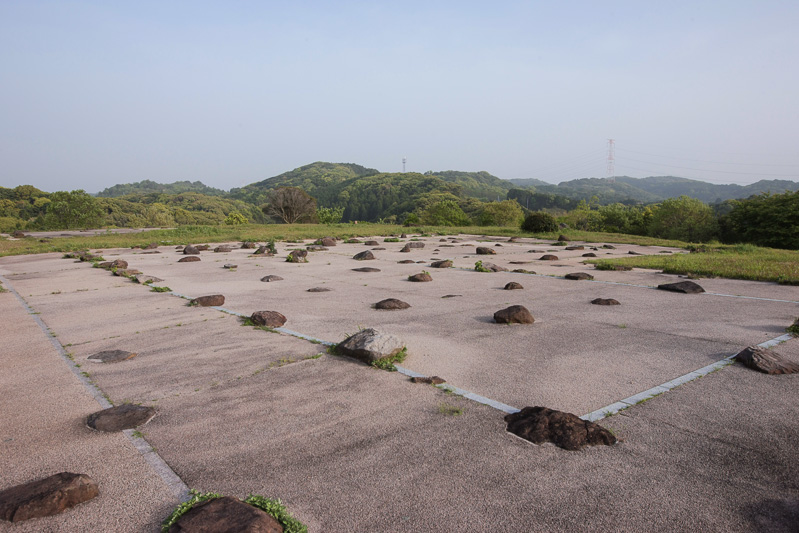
{"x": 404, "y": 159}
{"x": 611, "y": 173}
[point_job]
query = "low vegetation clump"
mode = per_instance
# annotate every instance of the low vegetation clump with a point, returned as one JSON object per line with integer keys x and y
{"x": 742, "y": 261}
{"x": 160, "y": 289}
{"x": 387, "y": 363}
{"x": 793, "y": 329}
{"x": 539, "y": 222}
{"x": 478, "y": 266}
{"x": 274, "y": 508}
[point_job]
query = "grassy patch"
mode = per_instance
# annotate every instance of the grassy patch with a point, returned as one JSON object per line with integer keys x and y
{"x": 449, "y": 410}
{"x": 296, "y": 232}
{"x": 478, "y": 266}
{"x": 793, "y": 329}
{"x": 160, "y": 289}
{"x": 742, "y": 261}
{"x": 387, "y": 363}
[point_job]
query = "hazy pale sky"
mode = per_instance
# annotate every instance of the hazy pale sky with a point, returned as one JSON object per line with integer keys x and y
{"x": 99, "y": 93}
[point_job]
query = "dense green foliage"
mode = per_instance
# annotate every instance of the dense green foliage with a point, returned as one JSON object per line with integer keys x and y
{"x": 72, "y": 210}
{"x": 480, "y": 185}
{"x": 766, "y": 220}
{"x": 329, "y": 215}
{"x": 539, "y": 222}
{"x": 147, "y": 187}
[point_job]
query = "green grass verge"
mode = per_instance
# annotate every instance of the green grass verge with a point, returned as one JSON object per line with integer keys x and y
{"x": 292, "y": 232}
{"x": 274, "y": 508}
{"x": 160, "y": 289}
{"x": 742, "y": 261}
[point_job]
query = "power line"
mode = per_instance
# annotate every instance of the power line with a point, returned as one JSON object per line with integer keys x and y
{"x": 754, "y": 174}
{"x": 713, "y": 162}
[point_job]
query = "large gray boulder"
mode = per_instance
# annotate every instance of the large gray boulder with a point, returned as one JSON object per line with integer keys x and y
{"x": 371, "y": 345}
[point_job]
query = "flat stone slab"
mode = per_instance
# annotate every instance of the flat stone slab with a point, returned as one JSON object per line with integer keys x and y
{"x": 366, "y": 269}
{"x": 189, "y": 259}
{"x": 432, "y": 380}
{"x": 117, "y": 418}
{"x": 319, "y": 289}
{"x": 685, "y": 287}
{"x": 112, "y": 356}
{"x": 766, "y": 361}
{"x": 548, "y": 257}
{"x": 271, "y": 277}
{"x": 605, "y": 301}
{"x": 46, "y": 497}
{"x": 225, "y": 515}
{"x": 540, "y": 425}
{"x": 212, "y": 300}
{"x": 579, "y": 276}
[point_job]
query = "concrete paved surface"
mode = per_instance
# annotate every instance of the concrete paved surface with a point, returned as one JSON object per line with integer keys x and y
{"x": 351, "y": 448}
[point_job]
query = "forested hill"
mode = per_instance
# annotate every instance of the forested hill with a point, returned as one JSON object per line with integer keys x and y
{"x": 654, "y": 189}
{"x": 480, "y": 185}
{"x": 314, "y": 179}
{"x": 148, "y": 187}
{"x": 672, "y": 186}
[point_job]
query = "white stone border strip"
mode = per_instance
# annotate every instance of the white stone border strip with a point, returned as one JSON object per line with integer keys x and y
{"x": 657, "y": 390}
{"x": 156, "y": 462}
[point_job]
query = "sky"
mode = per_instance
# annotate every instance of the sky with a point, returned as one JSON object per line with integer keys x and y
{"x": 229, "y": 93}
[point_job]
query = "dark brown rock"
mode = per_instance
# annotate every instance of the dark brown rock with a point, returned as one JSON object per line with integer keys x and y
{"x": 376, "y": 248}
{"x": 17, "y": 234}
{"x": 366, "y": 269}
{"x": 248, "y": 245}
{"x": 326, "y": 241}
{"x": 420, "y": 277}
{"x": 125, "y": 416}
{"x": 562, "y": 238}
{"x": 105, "y": 264}
{"x": 271, "y": 319}
{"x": 573, "y": 248}
{"x": 212, "y": 300}
{"x": 46, "y": 497}
{"x": 191, "y": 250}
{"x": 432, "y": 380}
{"x": 605, "y": 301}
{"x": 372, "y": 243}
{"x": 452, "y": 296}
{"x": 230, "y": 266}
{"x": 189, "y": 259}
{"x": 403, "y": 236}
{"x": 151, "y": 246}
{"x": 223, "y": 249}
{"x": 685, "y": 287}
{"x": 263, "y": 250}
{"x": 298, "y": 256}
{"x": 406, "y": 261}
{"x": 319, "y": 289}
{"x": 226, "y": 515}
{"x": 515, "y": 314}
{"x": 484, "y": 250}
{"x": 540, "y": 425}
{"x": 548, "y": 257}
{"x": 578, "y": 276}
{"x": 766, "y": 361}
{"x": 519, "y": 262}
{"x": 366, "y": 255}
{"x": 631, "y": 252}
{"x": 112, "y": 356}
{"x": 446, "y": 263}
{"x": 589, "y": 254}
{"x": 513, "y": 286}
{"x": 523, "y": 271}
{"x": 271, "y": 277}
{"x": 119, "y": 263}
{"x": 391, "y": 304}
{"x": 203, "y": 247}
{"x": 608, "y": 247}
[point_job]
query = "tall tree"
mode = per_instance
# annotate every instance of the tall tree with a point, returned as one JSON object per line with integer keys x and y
{"x": 290, "y": 204}
{"x": 74, "y": 209}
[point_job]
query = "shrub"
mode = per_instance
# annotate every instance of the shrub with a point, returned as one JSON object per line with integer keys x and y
{"x": 539, "y": 222}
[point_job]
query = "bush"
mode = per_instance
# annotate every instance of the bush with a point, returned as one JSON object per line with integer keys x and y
{"x": 539, "y": 222}
{"x": 329, "y": 215}
{"x": 235, "y": 219}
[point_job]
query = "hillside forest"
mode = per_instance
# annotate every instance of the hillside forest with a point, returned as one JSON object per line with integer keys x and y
{"x": 765, "y": 213}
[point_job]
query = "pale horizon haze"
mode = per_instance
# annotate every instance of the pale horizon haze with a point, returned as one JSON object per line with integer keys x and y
{"x": 229, "y": 93}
